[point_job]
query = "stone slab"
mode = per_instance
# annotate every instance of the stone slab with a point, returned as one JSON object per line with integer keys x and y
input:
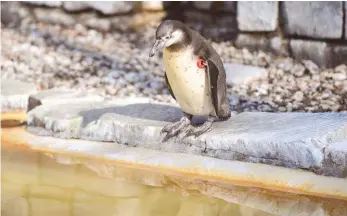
{"x": 257, "y": 16}
{"x": 316, "y": 51}
{"x": 61, "y": 96}
{"x": 15, "y": 94}
{"x": 338, "y": 55}
{"x": 242, "y": 74}
{"x": 314, "y": 19}
{"x": 335, "y": 157}
{"x": 295, "y": 140}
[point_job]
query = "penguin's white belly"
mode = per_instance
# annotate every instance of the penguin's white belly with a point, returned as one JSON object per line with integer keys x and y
{"x": 189, "y": 83}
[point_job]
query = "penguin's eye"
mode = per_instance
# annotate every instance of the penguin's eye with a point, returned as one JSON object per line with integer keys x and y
{"x": 167, "y": 37}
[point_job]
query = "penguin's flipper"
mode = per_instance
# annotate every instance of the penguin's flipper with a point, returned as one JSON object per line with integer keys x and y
{"x": 213, "y": 74}
{"x": 169, "y": 87}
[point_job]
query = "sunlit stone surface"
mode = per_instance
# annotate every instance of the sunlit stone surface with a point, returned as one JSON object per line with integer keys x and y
{"x": 294, "y": 140}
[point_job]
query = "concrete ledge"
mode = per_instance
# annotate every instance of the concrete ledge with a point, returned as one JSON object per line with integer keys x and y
{"x": 294, "y": 140}
{"x": 15, "y": 94}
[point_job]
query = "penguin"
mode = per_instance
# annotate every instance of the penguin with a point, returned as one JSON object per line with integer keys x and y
{"x": 195, "y": 77}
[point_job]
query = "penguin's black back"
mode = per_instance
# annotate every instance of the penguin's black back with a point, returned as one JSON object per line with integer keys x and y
{"x": 216, "y": 72}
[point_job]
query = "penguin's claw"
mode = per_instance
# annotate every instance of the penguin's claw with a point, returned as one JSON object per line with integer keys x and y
{"x": 173, "y": 129}
{"x": 169, "y": 127}
{"x": 196, "y": 131}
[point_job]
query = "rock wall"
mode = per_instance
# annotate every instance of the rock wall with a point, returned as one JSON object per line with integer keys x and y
{"x": 304, "y": 30}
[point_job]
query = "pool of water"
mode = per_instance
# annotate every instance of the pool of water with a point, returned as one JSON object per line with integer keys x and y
{"x": 37, "y": 185}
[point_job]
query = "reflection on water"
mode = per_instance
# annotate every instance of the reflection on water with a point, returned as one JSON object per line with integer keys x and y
{"x": 35, "y": 184}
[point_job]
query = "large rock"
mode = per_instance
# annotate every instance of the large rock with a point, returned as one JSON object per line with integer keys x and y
{"x": 242, "y": 74}
{"x": 318, "y": 52}
{"x": 295, "y": 140}
{"x": 15, "y": 94}
{"x": 314, "y": 19}
{"x": 257, "y": 16}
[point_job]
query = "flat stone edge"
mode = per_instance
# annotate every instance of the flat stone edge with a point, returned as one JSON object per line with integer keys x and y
{"x": 232, "y": 172}
{"x": 14, "y": 103}
{"x": 147, "y": 137}
{"x": 335, "y": 159}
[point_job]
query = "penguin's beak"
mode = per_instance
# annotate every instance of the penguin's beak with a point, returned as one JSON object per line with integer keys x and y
{"x": 159, "y": 44}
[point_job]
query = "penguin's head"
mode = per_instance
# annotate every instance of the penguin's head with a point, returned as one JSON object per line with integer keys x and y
{"x": 169, "y": 32}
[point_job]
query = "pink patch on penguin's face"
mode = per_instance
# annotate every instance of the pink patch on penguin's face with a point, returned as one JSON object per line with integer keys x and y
{"x": 201, "y": 63}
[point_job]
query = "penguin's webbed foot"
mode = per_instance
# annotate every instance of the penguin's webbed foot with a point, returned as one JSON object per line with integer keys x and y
{"x": 173, "y": 129}
{"x": 197, "y": 131}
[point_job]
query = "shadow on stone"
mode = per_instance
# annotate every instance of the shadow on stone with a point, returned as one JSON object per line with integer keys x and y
{"x": 147, "y": 111}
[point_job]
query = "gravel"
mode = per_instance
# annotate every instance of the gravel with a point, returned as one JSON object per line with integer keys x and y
{"x": 116, "y": 63}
